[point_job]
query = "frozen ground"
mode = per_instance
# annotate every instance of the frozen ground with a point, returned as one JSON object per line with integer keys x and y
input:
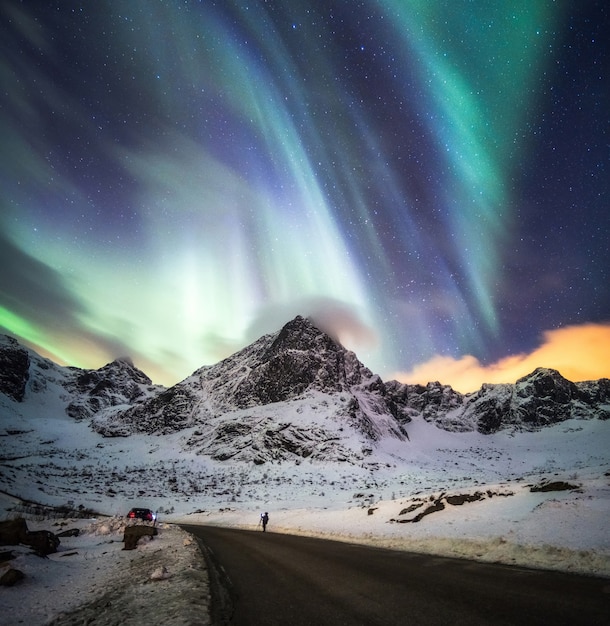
{"x": 165, "y": 580}
{"x": 61, "y": 461}
{"x": 564, "y": 530}
{"x": 162, "y": 581}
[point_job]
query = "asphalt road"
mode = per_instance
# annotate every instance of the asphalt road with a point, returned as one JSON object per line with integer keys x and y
{"x": 268, "y": 579}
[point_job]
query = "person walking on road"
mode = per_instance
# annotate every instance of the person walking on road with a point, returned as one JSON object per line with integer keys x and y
{"x": 264, "y": 520}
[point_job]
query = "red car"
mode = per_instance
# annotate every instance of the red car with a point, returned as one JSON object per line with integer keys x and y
{"x": 144, "y": 514}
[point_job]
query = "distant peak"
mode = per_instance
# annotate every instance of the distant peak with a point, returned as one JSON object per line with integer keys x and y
{"x": 540, "y": 372}
{"x": 124, "y": 366}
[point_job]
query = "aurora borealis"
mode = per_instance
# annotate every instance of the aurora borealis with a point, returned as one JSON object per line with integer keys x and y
{"x": 429, "y": 180}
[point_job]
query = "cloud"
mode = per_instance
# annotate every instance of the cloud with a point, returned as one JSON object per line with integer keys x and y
{"x": 578, "y": 352}
{"x": 343, "y": 324}
{"x": 335, "y": 318}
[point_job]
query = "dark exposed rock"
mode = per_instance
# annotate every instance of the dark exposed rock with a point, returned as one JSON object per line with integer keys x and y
{"x": 14, "y": 532}
{"x": 438, "y": 503}
{"x": 433, "y": 508}
{"x": 43, "y": 542}
{"x": 298, "y": 360}
{"x": 6, "y": 555}
{"x": 11, "y": 531}
{"x": 559, "y": 485}
{"x": 23, "y": 373}
{"x": 411, "y": 508}
{"x": 397, "y": 399}
{"x": 594, "y": 392}
{"x": 490, "y": 409}
{"x": 10, "y": 576}
{"x": 540, "y": 399}
{"x": 459, "y": 499}
{"x": 544, "y": 397}
{"x": 117, "y": 383}
{"x": 14, "y": 368}
{"x": 433, "y": 398}
{"x": 169, "y": 411}
{"x": 132, "y": 535}
{"x": 301, "y": 357}
{"x": 264, "y": 440}
{"x": 298, "y": 364}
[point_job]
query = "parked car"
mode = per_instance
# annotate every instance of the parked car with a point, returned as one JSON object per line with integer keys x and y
{"x": 144, "y": 514}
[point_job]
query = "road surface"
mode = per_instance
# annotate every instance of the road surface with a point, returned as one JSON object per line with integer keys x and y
{"x": 274, "y": 579}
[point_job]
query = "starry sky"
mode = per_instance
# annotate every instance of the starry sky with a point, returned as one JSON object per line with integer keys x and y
{"x": 429, "y": 181}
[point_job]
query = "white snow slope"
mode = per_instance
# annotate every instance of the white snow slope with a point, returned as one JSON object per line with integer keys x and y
{"x": 47, "y": 457}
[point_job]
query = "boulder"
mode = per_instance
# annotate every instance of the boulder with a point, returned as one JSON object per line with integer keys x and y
{"x": 133, "y": 533}
{"x": 433, "y": 508}
{"x": 14, "y": 532}
{"x": 6, "y": 555}
{"x": 558, "y": 485}
{"x": 10, "y": 576}
{"x": 459, "y": 499}
{"x": 42, "y": 541}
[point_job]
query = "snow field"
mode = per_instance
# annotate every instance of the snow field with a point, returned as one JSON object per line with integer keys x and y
{"x": 58, "y": 461}
{"x": 564, "y": 531}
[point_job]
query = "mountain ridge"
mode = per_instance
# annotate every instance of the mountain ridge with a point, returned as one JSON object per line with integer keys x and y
{"x": 235, "y": 404}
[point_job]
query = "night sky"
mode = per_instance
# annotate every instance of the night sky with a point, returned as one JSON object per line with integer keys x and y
{"x": 429, "y": 180}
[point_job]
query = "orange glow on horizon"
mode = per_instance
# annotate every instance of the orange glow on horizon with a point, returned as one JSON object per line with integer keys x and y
{"x": 577, "y": 352}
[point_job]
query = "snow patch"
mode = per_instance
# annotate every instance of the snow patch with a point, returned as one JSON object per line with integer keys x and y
{"x": 91, "y": 578}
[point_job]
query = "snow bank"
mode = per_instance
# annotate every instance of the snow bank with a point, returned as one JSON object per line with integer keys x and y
{"x": 64, "y": 463}
{"x": 558, "y": 530}
{"x": 163, "y": 580}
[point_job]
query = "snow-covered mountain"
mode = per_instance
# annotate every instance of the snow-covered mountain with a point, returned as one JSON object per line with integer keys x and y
{"x": 292, "y": 397}
{"x": 296, "y": 424}
{"x": 539, "y": 399}
{"x": 231, "y": 402}
{"x": 27, "y": 377}
{"x": 257, "y": 404}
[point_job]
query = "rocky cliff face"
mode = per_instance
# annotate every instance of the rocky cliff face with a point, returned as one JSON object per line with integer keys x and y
{"x": 296, "y": 392}
{"x": 299, "y": 358}
{"x": 84, "y": 393}
{"x": 14, "y": 368}
{"x": 539, "y": 399}
{"x": 258, "y": 400}
{"x": 117, "y": 383}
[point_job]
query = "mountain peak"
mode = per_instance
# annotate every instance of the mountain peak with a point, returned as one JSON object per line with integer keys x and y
{"x": 545, "y": 382}
{"x": 300, "y": 357}
{"x": 301, "y": 334}
{"x": 123, "y": 367}
{"x": 324, "y": 398}
{"x": 541, "y": 372}
{"x": 117, "y": 382}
